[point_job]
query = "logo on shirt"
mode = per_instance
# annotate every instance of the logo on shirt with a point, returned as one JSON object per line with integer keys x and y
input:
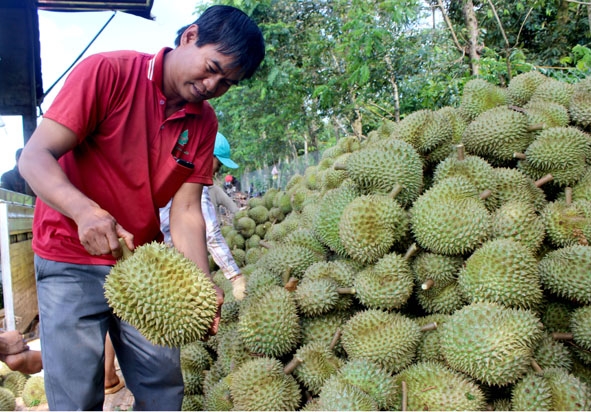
{"x": 183, "y": 138}
{"x": 181, "y": 142}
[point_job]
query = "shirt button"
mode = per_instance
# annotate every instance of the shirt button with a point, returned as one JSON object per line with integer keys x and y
{"x": 161, "y": 101}
{"x": 161, "y": 127}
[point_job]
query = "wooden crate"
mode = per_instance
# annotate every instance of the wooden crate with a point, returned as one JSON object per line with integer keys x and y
{"x": 18, "y": 272}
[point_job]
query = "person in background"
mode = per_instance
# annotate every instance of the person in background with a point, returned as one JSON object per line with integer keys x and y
{"x": 12, "y": 180}
{"x": 15, "y": 353}
{"x": 216, "y": 244}
{"x": 127, "y": 132}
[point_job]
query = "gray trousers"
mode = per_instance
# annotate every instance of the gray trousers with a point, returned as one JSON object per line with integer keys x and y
{"x": 74, "y": 318}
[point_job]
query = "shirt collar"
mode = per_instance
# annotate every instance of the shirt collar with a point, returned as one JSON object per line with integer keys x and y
{"x": 155, "y": 74}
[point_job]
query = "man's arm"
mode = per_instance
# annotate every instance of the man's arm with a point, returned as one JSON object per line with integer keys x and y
{"x": 187, "y": 230}
{"x": 38, "y": 164}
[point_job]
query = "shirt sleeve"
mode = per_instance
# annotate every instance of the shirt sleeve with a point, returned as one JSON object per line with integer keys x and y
{"x": 216, "y": 244}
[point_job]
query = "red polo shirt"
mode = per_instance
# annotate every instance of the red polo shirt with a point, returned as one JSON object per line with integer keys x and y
{"x": 114, "y": 103}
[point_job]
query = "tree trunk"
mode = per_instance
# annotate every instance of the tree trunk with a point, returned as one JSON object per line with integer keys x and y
{"x": 472, "y": 27}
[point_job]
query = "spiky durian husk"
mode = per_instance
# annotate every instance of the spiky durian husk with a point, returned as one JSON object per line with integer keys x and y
{"x": 580, "y": 103}
{"x": 388, "y": 339}
{"x": 497, "y": 134}
{"x": 556, "y": 315}
{"x": 318, "y": 363}
{"x": 501, "y": 342}
{"x": 380, "y": 169}
{"x": 192, "y": 402}
{"x": 547, "y": 114}
{"x": 513, "y": 184}
{"x": 193, "y": 380}
{"x": 337, "y": 395}
{"x": 261, "y": 385}
{"x": 443, "y": 270}
{"x": 446, "y": 299}
{"x": 316, "y": 296}
{"x": 370, "y": 225}
{"x": 519, "y": 221}
{"x": 34, "y": 391}
{"x": 15, "y": 381}
{"x": 196, "y": 356}
{"x": 218, "y": 398}
{"x": 434, "y": 386}
{"x": 521, "y": 87}
{"x": 580, "y": 323}
{"x": 371, "y": 379}
{"x": 555, "y": 389}
{"x": 568, "y": 224}
{"x": 323, "y": 329}
{"x": 565, "y": 272}
{"x": 269, "y": 324}
{"x": 502, "y": 271}
{"x": 449, "y": 218}
{"x": 551, "y": 353}
{"x": 163, "y": 294}
{"x": 429, "y": 347}
{"x": 289, "y": 260}
{"x": 388, "y": 284}
{"x": 477, "y": 170}
{"x": 479, "y": 96}
{"x": 559, "y": 151}
{"x": 7, "y": 400}
{"x": 552, "y": 90}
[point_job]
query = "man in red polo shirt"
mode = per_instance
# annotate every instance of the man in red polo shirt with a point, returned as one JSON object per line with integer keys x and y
{"x": 127, "y": 132}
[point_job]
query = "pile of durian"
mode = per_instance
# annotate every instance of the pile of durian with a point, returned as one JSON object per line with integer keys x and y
{"x": 441, "y": 263}
{"x": 17, "y": 388}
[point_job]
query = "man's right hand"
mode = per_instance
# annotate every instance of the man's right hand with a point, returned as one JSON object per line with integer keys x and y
{"x": 12, "y": 342}
{"x": 99, "y": 233}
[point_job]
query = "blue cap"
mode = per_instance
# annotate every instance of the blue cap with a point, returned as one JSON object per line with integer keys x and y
{"x": 222, "y": 151}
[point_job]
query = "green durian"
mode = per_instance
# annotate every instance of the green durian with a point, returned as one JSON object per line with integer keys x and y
{"x": 521, "y": 87}
{"x": 34, "y": 391}
{"x": 7, "y": 400}
{"x": 567, "y": 223}
{"x": 478, "y": 96}
{"x": 337, "y": 395}
{"x": 218, "y": 398}
{"x": 163, "y": 294}
{"x": 371, "y": 379}
{"x": 518, "y": 220}
{"x": 15, "y": 381}
{"x": 192, "y": 402}
{"x": 315, "y": 363}
{"x": 565, "y": 272}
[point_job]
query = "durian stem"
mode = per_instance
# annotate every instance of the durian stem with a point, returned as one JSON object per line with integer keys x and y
{"x": 562, "y": 336}
{"x": 536, "y": 366}
{"x": 126, "y": 252}
{"x": 485, "y": 194}
{"x": 518, "y": 155}
{"x": 335, "y": 339}
{"x": 395, "y": 191}
{"x": 543, "y": 180}
{"x": 346, "y": 291}
{"x": 535, "y": 127}
{"x": 291, "y": 284}
{"x": 411, "y": 251}
{"x": 290, "y": 367}
{"x": 428, "y": 327}
{"x": 286, "y": 276}
{"x": 461, "y": 151}
{"x": 428, "y": 284}
{"x": 568, "y": 195}
{"x": 264, "y": 244}
{"x": 339, "y": 166}
{"x": 404, "y": 397}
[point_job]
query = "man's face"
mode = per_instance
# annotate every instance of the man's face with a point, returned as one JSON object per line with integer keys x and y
{"x": 204, "y": 72}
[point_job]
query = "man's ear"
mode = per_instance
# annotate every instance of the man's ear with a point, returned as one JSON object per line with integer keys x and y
{"x": 189, "y": 35}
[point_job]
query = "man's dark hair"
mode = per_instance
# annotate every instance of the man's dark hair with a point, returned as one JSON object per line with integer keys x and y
{"x": 234, "y": 33}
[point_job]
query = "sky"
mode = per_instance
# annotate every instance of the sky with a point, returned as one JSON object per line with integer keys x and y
{"x": 63, "y": 36}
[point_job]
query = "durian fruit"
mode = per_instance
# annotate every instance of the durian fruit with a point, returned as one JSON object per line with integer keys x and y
{"x": 582, "y": 189}
{"x": 306, "y": 238}
{"x": 513, "y": 184}
{"x": 323, "y": 329}
{"x": 565, "y": 272}
{"x": 269, "y": 323}
{"x": 196, "y": 356}
{"x": 260, "y": 214}
{"x": 518, "y": 220}
{"x": 370, "y": 225}
{"x": 521, "y": 87}
{"x": 553, "y": 390}
{"x": 567, "y": 222}
{"x": 547, "y": 113}
{"x": 552, "y": 353}
{"x": 313, "y": 364}
{"x": 7, "y": 400}
{"x": 436, "y": 278}
{"x": 412, "y": 127}
{"x": 15, "y": 381}
{"x": 218, "y": 398}
{"x": 453, "y": 124}
{"x": 503, "y": 271}
{"x": 192, "y": 402}
{"x": 379, "y": 169}
{"x": 319, "y": 296}
{"x": 192, "y": 380}
{"x": 34, "y": 391}
{"x": 434, "y": 386}
{"x": 490, "y": 343}
{"x": 556, "y": 315}
{"x": 479, "y": 96}
{"x": 580, "y": 324}
{"x": 326, "y": 222}
{"x": 450, "y": 218}
{"x": 387, "y": 338}
{"x": 340, "y": 272}
{"x": 429, "y": 348}
{"x": 289, "y": 259}
{"x": 261, "y": 385}
{"x": 338, "y": 395}
{"x": 559, "y": 151}
{"x": 497, "y": 134}
{"x": 387, "y": 284}
{"x": 580, "y": 103}
{"x": 371, "y": 379}
{"x": 552, "y": 90}
{"x": 163, "y": 294}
